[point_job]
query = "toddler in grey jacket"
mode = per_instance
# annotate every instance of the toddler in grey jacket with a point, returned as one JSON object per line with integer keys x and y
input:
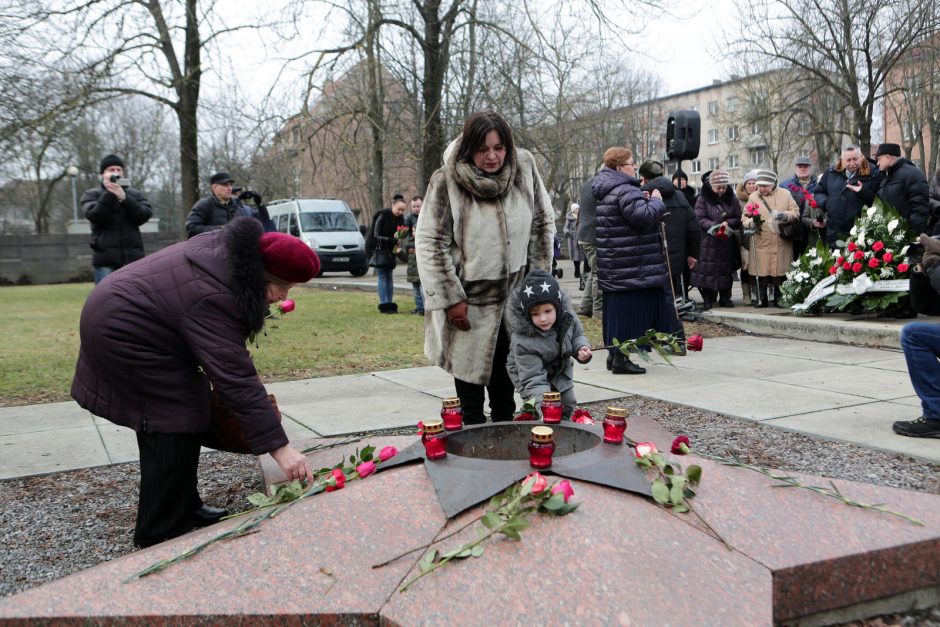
{"x": 546, "y": 334}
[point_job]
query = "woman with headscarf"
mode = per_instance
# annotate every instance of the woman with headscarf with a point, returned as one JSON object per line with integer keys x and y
{"x": 486, "y": 218}
{"x": 571, "y": 237}
{"x": 719, "y": 213}
{"x": 744, "y": 191}
{"x": 771, "y": 255}
{"x": 156, "y": 334}
{"x": 631, "y": 265}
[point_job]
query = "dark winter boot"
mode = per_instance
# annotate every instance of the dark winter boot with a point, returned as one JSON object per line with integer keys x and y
{"x": 622, "y": 365}
{"x": 724, "y": 298}
{"x": 610, "y": 359}
{"x": 393, "y": 307}
{"x": 753, "y": 294}
{"x": 777, "y": 296}
{"x": 746, "y": 292}
{"x": 708, "y": 299}
{"x": 762, "y": 293}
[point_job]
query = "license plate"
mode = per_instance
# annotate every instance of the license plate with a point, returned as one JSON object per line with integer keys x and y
{"x": 340, "y": 259}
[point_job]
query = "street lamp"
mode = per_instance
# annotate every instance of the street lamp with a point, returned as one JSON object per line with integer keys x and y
{"x": 72, "y": 171}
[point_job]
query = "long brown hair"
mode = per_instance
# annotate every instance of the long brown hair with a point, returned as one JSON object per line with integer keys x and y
{"x": 475, "y": 130}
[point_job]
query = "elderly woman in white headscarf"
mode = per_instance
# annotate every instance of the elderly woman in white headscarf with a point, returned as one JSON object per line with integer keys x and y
{"x": 571, "y": 237}
{"x": 771, "y": 255}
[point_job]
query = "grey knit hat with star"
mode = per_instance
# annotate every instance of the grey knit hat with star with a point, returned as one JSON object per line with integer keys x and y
{"x": 540, "y": 287}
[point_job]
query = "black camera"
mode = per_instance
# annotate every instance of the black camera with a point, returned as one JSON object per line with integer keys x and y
{"x": 915, "y": 253}
{"x": 120, "y": 180}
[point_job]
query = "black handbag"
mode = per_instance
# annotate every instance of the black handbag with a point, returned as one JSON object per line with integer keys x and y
{"x": 382, "y": 259}
{"x": 790, "y": 231}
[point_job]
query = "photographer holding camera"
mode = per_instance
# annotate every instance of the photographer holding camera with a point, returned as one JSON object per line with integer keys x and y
{"x": 115, "y": 210}
{"x": 921, "y": 341}
{"x": 258, "y": 210}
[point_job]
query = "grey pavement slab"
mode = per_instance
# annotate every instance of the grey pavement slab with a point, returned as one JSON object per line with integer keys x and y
{"x": 868, "y": 425}
{"x": 51, "y": 451}
{"x": 120, "y": 443}
{"x": 659, "y": 377}
{"x": 803, "y": 349}
{"x": 862, "y": 381}
{"x": 46, "y": 417}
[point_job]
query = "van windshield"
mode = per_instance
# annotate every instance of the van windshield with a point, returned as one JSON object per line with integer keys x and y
{"x": 327, "y": 221}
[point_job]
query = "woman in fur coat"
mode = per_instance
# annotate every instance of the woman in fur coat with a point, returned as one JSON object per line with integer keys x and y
{"x": 771, "y": 255}
{"x": 486, "y": 217}
{"x": 156, "y": 333}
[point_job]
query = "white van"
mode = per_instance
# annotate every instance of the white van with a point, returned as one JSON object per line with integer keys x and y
{"x": 328, "y": 227}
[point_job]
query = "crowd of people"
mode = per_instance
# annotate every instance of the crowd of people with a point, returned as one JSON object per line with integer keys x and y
{"x": 479, "y": 249}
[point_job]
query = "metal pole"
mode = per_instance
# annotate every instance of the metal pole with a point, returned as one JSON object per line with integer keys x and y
{"x": 72, "y": 171}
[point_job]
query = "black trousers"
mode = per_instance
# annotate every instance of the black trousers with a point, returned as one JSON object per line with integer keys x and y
{"x": 500, "y": 388}
{"x": 168, "y": 494}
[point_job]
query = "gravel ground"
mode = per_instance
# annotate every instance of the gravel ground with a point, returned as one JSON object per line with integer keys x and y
{"x": 54, "y": 525}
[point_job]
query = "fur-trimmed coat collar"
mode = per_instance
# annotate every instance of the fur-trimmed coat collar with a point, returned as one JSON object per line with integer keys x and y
{"x": 249, "y": 285}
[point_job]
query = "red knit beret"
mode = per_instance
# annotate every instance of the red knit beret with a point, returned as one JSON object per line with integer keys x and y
{"x": 288, "y": 258}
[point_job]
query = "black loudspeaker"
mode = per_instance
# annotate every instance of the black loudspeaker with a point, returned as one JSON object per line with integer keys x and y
{"x": 683, "y": 134}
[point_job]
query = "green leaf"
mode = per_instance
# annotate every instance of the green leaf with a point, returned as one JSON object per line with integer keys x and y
{"x": 660, "y": 492}
{"x": 675, "y": 493}
{"x": 427, "y": 561}
{"x": 554, "y": 502}
{"x": 681, "y": 509}
{"x": 352, "y": 460}
{"x": 694, "y": 474}
{"x": 689, "y": 492}
{"x": 512, "y": 533}
{"x": 259, "y": 499}
{"x": 658, "y": 459}
{"x": 490, "y": 520}
{"x": 526, "y": 488}
{"x": 668, "y": 470}
{"x": 477, "y": 550}
{"x": 367, "y": 453}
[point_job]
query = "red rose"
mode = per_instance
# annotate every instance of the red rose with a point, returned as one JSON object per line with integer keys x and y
{"x": 694, "y": 343}
{"x": 873, "y": 263}
{"x": 681, "y": 445}
{"x": 286, "y": 306}
{"x": 887, "y": 258}
{"x": 539, "y": 482}
{"x": 645, "y": 448}
{"x": 812, "y": 203}
{"x": 582, "y": 417}
{"x": 564, "y": 487}
{"x": 859, "y": 255}
{"x": 420, "y": 427}
{"x": 337, "y": 480}
{"x": 840, "y": 260}
{"x": 523, "y": 416}
{"x": 851, "y": 246}
{"x": 833, "y": 269}
{"x": 846, "y": 266}
{"x": 877, "y": 246}
{"x": 387, "y": 453}
{"x": 365, "y": 469}
{"x": 856, "y": 267}
{"x": 903, "y": 267}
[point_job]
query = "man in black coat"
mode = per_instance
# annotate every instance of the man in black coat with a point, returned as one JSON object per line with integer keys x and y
{"x": 217, "y": 209}
{"x": 842, "y": 191}
{"x": 115, "y": 211}
{"x": 904, "y": 187}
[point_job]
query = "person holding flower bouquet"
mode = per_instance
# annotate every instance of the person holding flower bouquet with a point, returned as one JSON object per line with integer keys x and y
{"x": 770, "y": 255}
{"x": 719, "y": 213}
{"x": 802, "y": 186}
{"x": 160, "y": 333}
{"x": 747, "y": 187}
{"x": 385, "y": 238}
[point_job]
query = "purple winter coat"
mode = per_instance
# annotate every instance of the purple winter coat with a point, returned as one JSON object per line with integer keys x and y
{"x": 716, "y": 257}
{"x": 629, "y": 248}
{"x": 156, "y": 332}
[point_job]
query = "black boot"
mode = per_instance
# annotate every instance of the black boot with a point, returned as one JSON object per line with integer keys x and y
{"x": 610, "y": 359}
{"x": 724, "y": 298}
{"x": 383, "y": 307}
{"x": 393, "y": 307}
{"x": 777, "y": 296}
{"x": 764, "y": 300}
{"x": 205, "y": 516}
{"x": 708, "y": 299}
{"x": 623, "y": 365}
{"x": 753, "y": 295}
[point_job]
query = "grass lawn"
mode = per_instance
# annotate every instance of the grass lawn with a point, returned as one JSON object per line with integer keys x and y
{"x": 331, "y": 332}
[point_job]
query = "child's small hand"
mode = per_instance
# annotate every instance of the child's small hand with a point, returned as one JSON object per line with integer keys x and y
{"x": 584, "y": 354}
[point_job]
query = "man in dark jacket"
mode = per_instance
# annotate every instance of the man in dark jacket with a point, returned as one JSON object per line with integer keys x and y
{"x": 802, "y": 187}
{"x": 904, "y": 187}
{"x": 217, "y": 209}
{"x": 683, "y": 234}
{"x": 843, "y": 190}
{"x": 592, "y": 300}
{"x": 921, "y": 344}
{"x": 157, "y": 334}
{"x": 115, "y": 211}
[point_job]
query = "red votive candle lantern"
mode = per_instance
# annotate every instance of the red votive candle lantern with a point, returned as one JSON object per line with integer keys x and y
{"x": 541, "y": 447}
{"x": 452, "y": 414}
{"x": 434, "y": 439}
{"x": 615, "y": 423}
{"x": 551, "y": 407}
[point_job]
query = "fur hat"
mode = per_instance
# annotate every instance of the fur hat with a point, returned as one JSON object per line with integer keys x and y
{"x": 650, "y": 169}
{"x": 221, "y": 177}
{"x": 540, "y": 287}
{"x": 108, "y": 161}
{"x": 719, "y": 177}
{"x": 892, "y": 150}
{"x": 288, "y": 258}
{"x": 750, "y": 175}
{"x": 766, "y": 177}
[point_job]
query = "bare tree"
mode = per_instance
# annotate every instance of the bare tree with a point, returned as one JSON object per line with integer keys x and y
{"x": 846, "y": 47}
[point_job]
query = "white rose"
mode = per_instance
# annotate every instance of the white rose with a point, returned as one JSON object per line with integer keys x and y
{"x": 904, "y": 250}
{"x": 871, "y": 211}
{"x": 892, "y": 225}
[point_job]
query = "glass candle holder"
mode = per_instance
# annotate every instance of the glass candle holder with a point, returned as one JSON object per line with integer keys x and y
{"x": 541, "y": 447}
{"x": 434, "y": 439}
{"x": 615, "y": 423}
{"x": 551, "y": 407}
{"x": 452, "y": 414}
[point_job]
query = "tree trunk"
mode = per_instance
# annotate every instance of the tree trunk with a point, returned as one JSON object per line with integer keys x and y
{"x": 375, "y": 109}
{"x": 187, "y": 90}
{"x": 435, "y": 65}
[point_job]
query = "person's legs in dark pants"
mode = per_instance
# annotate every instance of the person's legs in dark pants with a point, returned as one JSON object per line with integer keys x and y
{"x": 471, "y": 397}
{"x": 921, "y": 344}
{"x": 500, "y": 388}
{"x": 168, "y": 494}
